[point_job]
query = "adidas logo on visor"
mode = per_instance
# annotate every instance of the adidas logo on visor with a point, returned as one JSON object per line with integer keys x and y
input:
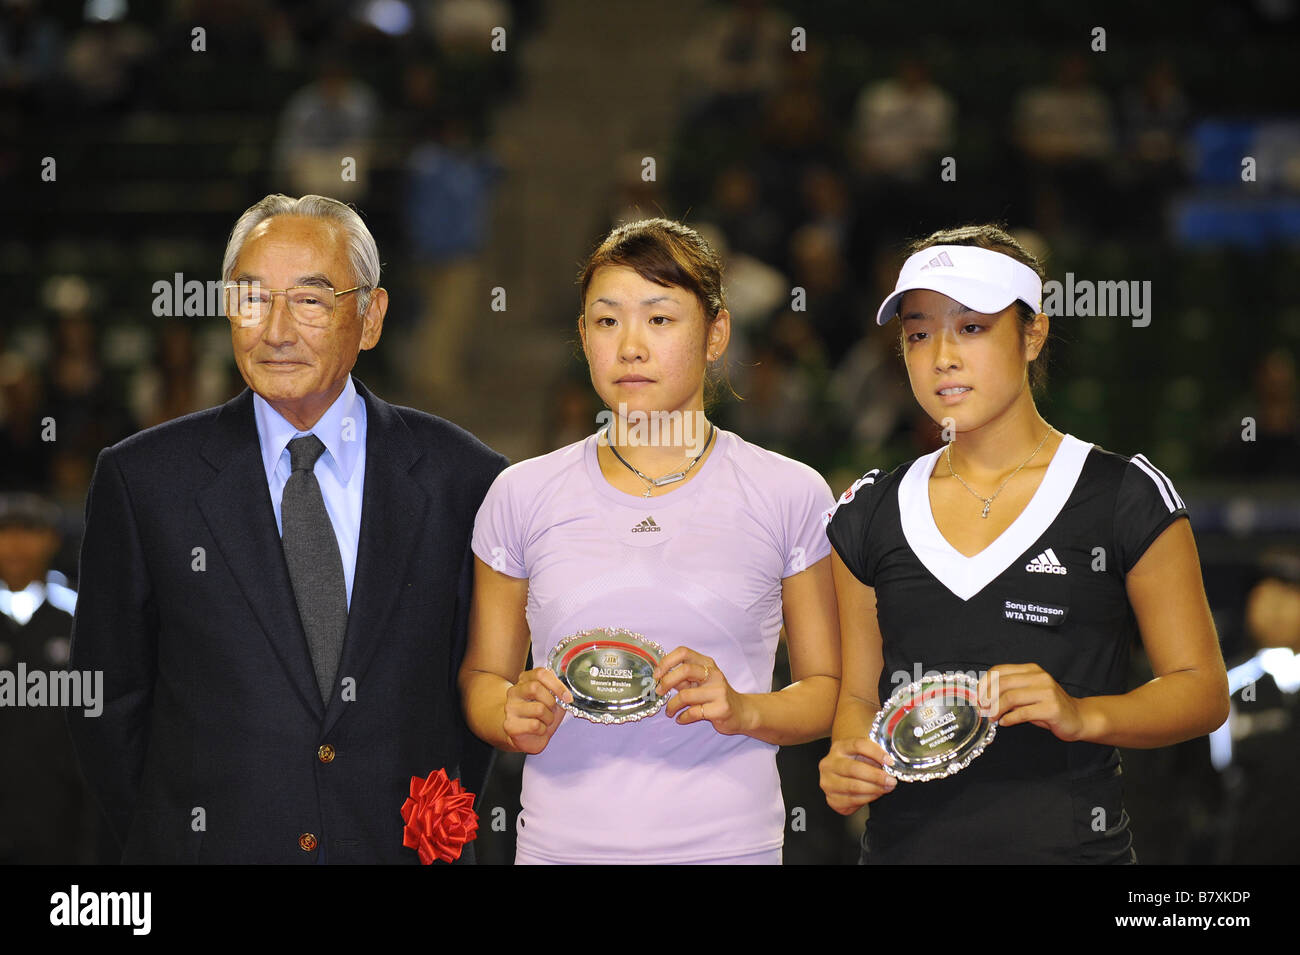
{"x": 940, "y": 259}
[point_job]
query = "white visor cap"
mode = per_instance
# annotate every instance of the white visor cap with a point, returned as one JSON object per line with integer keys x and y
{"x": 981, "y": 279}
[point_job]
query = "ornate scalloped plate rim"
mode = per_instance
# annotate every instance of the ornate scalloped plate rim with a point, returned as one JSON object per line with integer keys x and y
{"x": 952, "y": 766}
{"x": 609, "y": 719}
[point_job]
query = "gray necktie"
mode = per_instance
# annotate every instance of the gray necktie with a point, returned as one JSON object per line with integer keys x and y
{"x": 315, "y": 567}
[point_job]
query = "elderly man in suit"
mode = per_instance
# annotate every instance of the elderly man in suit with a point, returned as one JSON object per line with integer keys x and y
{"x": 276, "y": 590}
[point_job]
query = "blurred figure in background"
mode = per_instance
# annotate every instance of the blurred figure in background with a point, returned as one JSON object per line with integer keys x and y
{"x": 1263, "y": 432}
{"x": 324, "y": 124}
{"x": 448, "y": 215}
{"x": 46, "y": 816}
{"x": 901, "y": 124}
{"x": 178, "y": 382}
{"x": 736, "y": 206}
{"x": 83, "y": 404}
{"x": 31, "y": 51}
{"x": 818, "y": 267}
{"x": 1064, "y": 131}
{"x": 105, "y": 62}
{"x": 25, "y": 459}
{"x": 1156, "y": 116}
{"x": 735, "y": 60}
{"x": 1255, "y": 750}
{"x": 901, "y": 128}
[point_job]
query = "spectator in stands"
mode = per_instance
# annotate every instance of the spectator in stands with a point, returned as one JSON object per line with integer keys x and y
{"x": 1263, "y": 432}
{"x": 902, "y": 128}
{"x": 734, "y": 59}
{"x": 324, "y": 143}
{"x": 105, "y": 61}
{"x": 901, "y": 125}
{"x": 31, "y": 52}
{"x": 818, "y": 267}
{"x": 1155, "y": 126}
{"x": 448, "y": 211}
{"x": 25, "y": 459}
{"x": 736, "y": 206}
{"x": 177, "y": 382}
{"x": 1065, "y": 133}
{"x": 83, "y": 403}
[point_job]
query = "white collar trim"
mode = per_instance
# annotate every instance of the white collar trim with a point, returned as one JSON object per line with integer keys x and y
{"x": 967, "y": 576}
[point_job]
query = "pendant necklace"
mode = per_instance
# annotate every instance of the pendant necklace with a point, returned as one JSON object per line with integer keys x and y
{"x": 651, "y": 483}
{"x": 988, "y": 501}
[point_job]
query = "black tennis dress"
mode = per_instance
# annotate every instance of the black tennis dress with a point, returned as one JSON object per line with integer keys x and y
{"x": 1049, "y": 590}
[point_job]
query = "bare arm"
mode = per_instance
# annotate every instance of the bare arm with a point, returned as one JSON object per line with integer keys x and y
{"x": 1188, "y": 696}
{"x": 513, "y": 711}
{"x": 797, "y": 714}
{"x": 851, "y": 775}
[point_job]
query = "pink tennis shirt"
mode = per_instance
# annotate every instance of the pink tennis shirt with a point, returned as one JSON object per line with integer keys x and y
{"x": 699, "y": 567}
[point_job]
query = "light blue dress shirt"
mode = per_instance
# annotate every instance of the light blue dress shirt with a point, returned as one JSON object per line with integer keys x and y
{"x": 340, "y": 470}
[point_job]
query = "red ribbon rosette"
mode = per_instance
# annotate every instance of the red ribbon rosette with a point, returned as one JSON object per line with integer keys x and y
{"x": 439, "y": 818}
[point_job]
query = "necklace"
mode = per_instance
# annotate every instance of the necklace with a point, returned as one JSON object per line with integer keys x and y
{"x": 988, "y": 501}
{"x": 651, "y": 483}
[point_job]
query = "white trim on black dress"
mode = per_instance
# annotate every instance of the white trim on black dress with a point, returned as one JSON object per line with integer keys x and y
{"x": 967, "y": 576}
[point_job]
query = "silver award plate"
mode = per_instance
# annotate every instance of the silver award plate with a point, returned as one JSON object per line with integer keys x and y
{"x": 932, "y": 727}
{"x": 610, "y": 672}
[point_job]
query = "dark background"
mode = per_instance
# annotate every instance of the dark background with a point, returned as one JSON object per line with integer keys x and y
{"x": 486, "y": 175}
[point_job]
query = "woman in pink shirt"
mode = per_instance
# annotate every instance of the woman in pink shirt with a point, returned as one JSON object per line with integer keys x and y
{"x": 683, "y": 533}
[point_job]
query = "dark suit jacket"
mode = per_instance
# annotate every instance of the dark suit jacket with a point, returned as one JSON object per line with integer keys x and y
{"x": 210, "y": 745}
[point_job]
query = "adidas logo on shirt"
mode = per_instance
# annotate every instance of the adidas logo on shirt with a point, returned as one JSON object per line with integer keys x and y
{"x": 1046, "y": 563}
{"x": 647, "y": 526}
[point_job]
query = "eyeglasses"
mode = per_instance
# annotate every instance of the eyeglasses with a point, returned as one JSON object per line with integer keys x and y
{"x": 248, "y": 304}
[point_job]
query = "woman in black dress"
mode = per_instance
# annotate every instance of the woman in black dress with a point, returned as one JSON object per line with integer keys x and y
{"x": 1025, "y": 555}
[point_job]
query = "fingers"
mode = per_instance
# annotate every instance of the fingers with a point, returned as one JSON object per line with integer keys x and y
{"x": 532, "y": 711}
{"x": 689, "y": 697}
{"x": 850, "y": 778}
{"x": 547, "y": 678}
{"x": 527, "y": 717}
{"x": 1008, "y": 685}
{"x": 1036, "y": 712}
{"x": 1031, "y": 695}
{"x": 1014, "y": 699}
{"x": 516, "y": 725}
{"x": 693, "y": 673}
{"x": 851, "y": 786}
{"x": 1008, "y": 676}
{"x": 694, "y": 713}
{"x": 862, "y": 746}
{"x": 674, "y": 658}
{"x": 683, "y": 666}
{"x": 1011, "y": 697}
{"x": 860, "y": 759}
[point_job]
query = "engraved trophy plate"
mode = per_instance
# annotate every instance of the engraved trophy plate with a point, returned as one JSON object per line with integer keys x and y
{"x": 932, "y": 727}
{"x": 609, "y": 671}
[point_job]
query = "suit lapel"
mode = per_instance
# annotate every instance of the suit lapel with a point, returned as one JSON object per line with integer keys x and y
{"x": 394, "y": 509}
{"x": 238, "y": 512}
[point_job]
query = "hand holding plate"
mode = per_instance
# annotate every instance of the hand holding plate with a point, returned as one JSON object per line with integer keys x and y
{"x": 533, "y": 711}
{"x": 851, "y": 774}
{"x": 1026, "y": 693}
{"x": 703, "y": 692}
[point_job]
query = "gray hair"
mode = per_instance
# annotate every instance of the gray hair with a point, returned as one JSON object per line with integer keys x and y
{"x": 363, "y": 254}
